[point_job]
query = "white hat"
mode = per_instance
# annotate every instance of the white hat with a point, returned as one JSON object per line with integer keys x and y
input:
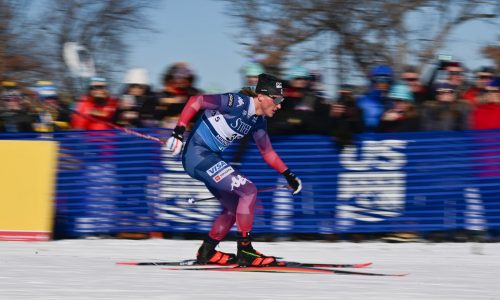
{"x": 137, "y": 76}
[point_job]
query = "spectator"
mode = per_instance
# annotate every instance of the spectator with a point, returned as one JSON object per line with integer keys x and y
{"x": 487, "y": 115}
{"x": 402, "y": 116}
{"x": 136, "y": 105}
{"x": 251, "y": 72}
{"x": 127, "y": 112}
{"x": 15, "y": 111}
{"x": 446, "y": 112}
{"x": 346, "y": 117}
{"x": 52, "y": 116}
{"x": 298, "y": 114}
{"x": 476, "y": 94}
{"x": 412, "y": 78}
{"x": 373, "y": 103}
{"x": 178, "y": 86}
{"x": 317, "y": 84}
{"x": 456, "y": 76}
{"x": 97, "y": 104}
{"x": 447, "y": 71}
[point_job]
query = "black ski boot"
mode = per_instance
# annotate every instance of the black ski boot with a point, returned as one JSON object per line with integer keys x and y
{"x": 207, "y": 255}
{"x": 248, "y": 256}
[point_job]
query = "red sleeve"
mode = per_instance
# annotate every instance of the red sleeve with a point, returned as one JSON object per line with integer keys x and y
{"x": 77, "y": 121}
{"x": 266, "y": 150}
{"x": 195, "y": 104}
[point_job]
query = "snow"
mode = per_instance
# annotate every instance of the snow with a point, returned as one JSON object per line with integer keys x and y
{"x": 86, "y": 269}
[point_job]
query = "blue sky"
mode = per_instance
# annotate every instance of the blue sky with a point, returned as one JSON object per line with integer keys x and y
{"x": 194, "y": 31}
{"x": 201, "y": 33}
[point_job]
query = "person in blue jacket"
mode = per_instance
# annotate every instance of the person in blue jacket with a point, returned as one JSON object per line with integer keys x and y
{"x": 374, "y": 102}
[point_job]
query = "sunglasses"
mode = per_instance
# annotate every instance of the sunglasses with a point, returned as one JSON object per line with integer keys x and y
{"x": 485, "y": 76}
{"x": 455, "y": 73}
{"x": 493, "y": 91}
{"x": 98, "y": 87}
{"x": 382, "y": 79}
{"x": 276, "y": 99}
{"x": 445, "y": 92}
{"x": 410, "y": 79}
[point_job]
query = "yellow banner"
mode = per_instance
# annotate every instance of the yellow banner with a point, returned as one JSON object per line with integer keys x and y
{"x": 27, "y": 179}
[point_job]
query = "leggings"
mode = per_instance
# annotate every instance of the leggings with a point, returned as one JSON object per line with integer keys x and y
{"x": 236, "y": 193}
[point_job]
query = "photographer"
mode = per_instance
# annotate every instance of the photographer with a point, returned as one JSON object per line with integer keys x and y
{"x": 346, "y": 117}
{"x": 402, "y": 116}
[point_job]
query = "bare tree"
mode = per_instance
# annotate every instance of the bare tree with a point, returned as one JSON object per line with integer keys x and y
{"x": 359, "y": 33}
{"x": 493, "y": 52}
{"x": 20, "y": 56}
{"x": 31, "y": 41}
{"x": 102, "y": 26}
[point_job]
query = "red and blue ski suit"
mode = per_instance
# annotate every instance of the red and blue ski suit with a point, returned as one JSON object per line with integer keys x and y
{"x": 227, "y": 117}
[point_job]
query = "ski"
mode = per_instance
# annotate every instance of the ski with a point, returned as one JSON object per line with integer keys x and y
{"x": 285, "y": 269}
{"x": 193, "y": 263}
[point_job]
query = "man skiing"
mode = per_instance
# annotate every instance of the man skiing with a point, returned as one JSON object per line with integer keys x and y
{"x": 228, "y": 117}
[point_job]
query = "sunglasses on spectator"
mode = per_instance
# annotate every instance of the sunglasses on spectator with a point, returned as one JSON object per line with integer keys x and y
{"x": 98, "y": 87}
{"x": 484, "y": 76}
{"x": 493, "y": 91}
{"x": 447, "y": 91}
{"x": 276, "y": 99}
{"x": 455, "y": 73}
{"x": 382, "y": 79}
{"x": 410, "y": 79}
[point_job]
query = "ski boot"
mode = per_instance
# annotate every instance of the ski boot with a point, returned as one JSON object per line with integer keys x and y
{"x": 207, "y": 255}
{"x": 248, "y": 256}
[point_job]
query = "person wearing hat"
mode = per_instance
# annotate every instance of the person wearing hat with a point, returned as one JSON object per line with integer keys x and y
{"x": 476, "y": 94}
{"x": 373, "y": 102}
{"x": 50, "y": 116}
{"x": 402, "y": 115}
{"x": 227, "y": 117}
{"x": 346, "y": 118}
{"x": 178, "y": 85}
{"x": 137, "y": 103}
{"x": 98, "y": 104}
{"x": 487, "y": 115}
{"x": 15, "y": 112}
{"x": 446, "y": 111}
{"x": 251, "y": 72}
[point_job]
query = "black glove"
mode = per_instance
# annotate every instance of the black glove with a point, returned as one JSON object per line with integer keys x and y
{"x": 174, "y": 143}
{"x": 294, "y": 181}
{"x": 178, "y": 132}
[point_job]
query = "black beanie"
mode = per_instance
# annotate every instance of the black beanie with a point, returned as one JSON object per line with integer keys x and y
{"x": 269, "y": 85}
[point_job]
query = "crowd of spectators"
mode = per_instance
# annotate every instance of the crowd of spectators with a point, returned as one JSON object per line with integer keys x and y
{"x": 391, "y": 102}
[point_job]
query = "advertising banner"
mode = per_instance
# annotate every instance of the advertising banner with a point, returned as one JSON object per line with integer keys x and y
{"x": 27, "y": 188}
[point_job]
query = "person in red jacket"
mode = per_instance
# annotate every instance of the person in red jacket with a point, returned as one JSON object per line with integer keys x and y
{"x": 487, "y": 115}
{"x": 98, "y": 104}
{"x": 477, "y": 94}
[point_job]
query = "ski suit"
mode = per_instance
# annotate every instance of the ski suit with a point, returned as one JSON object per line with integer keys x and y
{"x": 227, "y": 117}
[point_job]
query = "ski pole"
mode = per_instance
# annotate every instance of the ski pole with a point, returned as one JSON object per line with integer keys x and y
{"x": 270, "y": 188}
{"x": 124, "y": 129}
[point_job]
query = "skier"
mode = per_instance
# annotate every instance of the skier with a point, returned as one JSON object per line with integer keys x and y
{"x": 228, "y": 117}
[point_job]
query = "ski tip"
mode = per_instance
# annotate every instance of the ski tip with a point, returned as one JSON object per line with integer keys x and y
{"x": 363, "y": 265}
{"x": 127, "y": 263}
